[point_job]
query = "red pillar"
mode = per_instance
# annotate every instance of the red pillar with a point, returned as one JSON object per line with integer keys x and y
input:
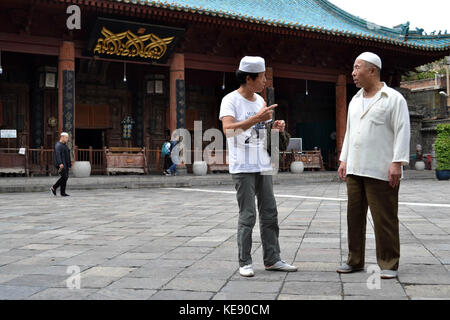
{"x": 66, "y": 90}
{"x": 341, "y": 112}
{"x": 269, "y": 80}
{"x": 176, "y": 73}
{"x": 269, "y": 92}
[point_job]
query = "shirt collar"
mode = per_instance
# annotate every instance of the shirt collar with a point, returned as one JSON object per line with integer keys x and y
{"x": 383, "y": 90}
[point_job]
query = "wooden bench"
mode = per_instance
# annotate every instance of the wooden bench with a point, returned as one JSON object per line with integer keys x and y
{"x": 12, "y": 163}
{"x": 126, "y": 160}
{"x": 311, "y": 159}
{"x": 217, "y": 166}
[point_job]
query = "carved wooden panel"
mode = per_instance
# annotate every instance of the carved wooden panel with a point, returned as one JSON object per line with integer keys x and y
{"x": 191, "y": 116}
{"x": 100, "y": 117}
{"x": 82, "y": 115}
{"x": 92, "y": 116}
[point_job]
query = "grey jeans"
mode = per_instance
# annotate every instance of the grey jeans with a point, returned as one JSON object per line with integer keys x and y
{"x": 249, "y": 185}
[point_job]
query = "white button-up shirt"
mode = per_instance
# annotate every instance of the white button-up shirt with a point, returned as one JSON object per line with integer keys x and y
{"x": 377, "y": 136}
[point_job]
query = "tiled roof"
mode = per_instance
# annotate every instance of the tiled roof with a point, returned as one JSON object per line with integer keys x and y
{"x": 310, "y": 15}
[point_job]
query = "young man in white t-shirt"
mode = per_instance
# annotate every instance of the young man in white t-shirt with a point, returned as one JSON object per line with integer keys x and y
{"x": 244, "y": 116}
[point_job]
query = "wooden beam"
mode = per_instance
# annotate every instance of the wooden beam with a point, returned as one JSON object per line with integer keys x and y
{"x": 35, "y": 44}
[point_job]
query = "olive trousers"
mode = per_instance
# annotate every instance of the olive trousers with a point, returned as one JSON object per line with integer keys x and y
{"x": 249, "y": 185}
{"x": 382, "y": 200}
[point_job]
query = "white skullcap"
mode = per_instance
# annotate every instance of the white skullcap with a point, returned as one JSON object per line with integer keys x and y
{"x": 370, "y": 57}
{"x": 64, "y": 134}
{"x": 252, "y": 65}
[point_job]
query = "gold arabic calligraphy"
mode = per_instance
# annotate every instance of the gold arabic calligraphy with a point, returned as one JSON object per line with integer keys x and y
{"x": 134, "y": 46}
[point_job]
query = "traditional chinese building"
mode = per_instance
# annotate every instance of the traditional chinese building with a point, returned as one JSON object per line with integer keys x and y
{"x": 138, "y": 69}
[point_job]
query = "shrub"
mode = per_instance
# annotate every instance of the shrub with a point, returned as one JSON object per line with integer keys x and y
{"x": 442, "y": 146}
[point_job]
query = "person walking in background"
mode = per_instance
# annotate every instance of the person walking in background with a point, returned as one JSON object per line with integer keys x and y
{"x": 165, "y": 151}
{"x": 61, "y": 160}
{"x": 376, "y": 145}
{"x": 174, "y": 156}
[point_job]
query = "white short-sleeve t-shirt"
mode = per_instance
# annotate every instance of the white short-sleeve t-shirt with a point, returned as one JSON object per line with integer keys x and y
{"x": 247, "y": 151}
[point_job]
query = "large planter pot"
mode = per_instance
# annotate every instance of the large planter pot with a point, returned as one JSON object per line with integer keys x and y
{"x": 200, "y": 168}
{"x": 443, "y": 174}
{"x": 81, "y": 169}
{"x": 297, "y": 167}
{"x": 420, "y": 165}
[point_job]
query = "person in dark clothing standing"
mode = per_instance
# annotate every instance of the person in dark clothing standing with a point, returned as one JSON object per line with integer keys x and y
{"x": 61, "y": 160}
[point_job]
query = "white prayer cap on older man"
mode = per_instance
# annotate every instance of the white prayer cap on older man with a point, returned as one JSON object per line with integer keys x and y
{"x": 64, "y": 134}
{"x": 370, "y": 57}
{"x": 252, "y": 64}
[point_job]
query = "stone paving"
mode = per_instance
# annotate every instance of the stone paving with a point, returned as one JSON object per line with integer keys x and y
{"x": 181, "y": 244}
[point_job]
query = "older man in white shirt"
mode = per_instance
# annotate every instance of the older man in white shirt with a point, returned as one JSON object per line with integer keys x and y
{"x": 376, "y": 145}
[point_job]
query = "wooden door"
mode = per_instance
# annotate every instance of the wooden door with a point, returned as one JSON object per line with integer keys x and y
{"x": 92, "y": 117}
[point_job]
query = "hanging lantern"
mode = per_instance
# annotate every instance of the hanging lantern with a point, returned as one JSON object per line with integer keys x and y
{"x": 47, "y": 77}
{"x": 127, "y": 127}
{"x": 1, "y": 69}
{"x": 223, "y": 82}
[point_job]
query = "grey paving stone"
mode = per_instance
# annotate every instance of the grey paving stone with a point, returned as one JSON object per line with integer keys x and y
{"x": 129, "y": 245}
{"x": 316, "y": 276}
{"x": 388, "y": 288}
{"x": 7, "y": 277}
{"x": 195, "y": 284}
{"x": 252, "y": 286}
{"x": 38, "y": 280}
{"x": 308, "y": 297}
{"x": 62, "y": 294}
{"x": 107, "y": 271}
{"x": 245, "y": 296}
{"x": 17, "y": 292}
{"x": 425, "y": 278}
{"x": 381, "y": 297}
{"x": 181, "y": 295}
{"x": 139, "y": 283}
{"x": 121, "y": 294}
{"x": 312, "y": 288}
{"x": 262, "y": 275}
{"x": 428, "y": 291}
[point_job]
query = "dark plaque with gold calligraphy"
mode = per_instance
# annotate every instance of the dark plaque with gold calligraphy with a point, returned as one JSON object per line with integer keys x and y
{"x": 132, "y": 41}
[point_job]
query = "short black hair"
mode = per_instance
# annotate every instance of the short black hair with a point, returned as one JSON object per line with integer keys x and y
{"x": 241, "y": 76}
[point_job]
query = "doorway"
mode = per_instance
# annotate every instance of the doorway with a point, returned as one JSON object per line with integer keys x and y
{"x": 86, "y": 138}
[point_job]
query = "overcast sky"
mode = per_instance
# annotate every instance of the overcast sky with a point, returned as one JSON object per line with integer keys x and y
{"x": 427, "y": 14}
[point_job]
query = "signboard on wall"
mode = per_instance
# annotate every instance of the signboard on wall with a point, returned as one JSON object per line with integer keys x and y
{"x": 128, "y": 40}
{"x": 8, "y": 134}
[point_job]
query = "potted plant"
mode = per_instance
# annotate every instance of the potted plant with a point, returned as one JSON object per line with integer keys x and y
{"x": 442, "y": 147}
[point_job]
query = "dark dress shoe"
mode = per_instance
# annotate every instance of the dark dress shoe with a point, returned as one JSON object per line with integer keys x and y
{"x": 53, "y": 191}
{"x": 65, "y": 195}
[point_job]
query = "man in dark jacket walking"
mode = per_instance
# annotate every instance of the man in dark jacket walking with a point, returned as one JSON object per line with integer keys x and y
{"x": 61, "y": 160}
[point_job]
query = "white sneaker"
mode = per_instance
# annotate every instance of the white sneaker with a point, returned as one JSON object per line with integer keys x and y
{"x": 282, "y": 266}
{"x": 388, "y": 274}
{"x": 247, "y": 271}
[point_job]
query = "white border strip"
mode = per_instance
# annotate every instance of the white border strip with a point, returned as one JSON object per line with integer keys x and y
{"x": 417, "y": 204}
